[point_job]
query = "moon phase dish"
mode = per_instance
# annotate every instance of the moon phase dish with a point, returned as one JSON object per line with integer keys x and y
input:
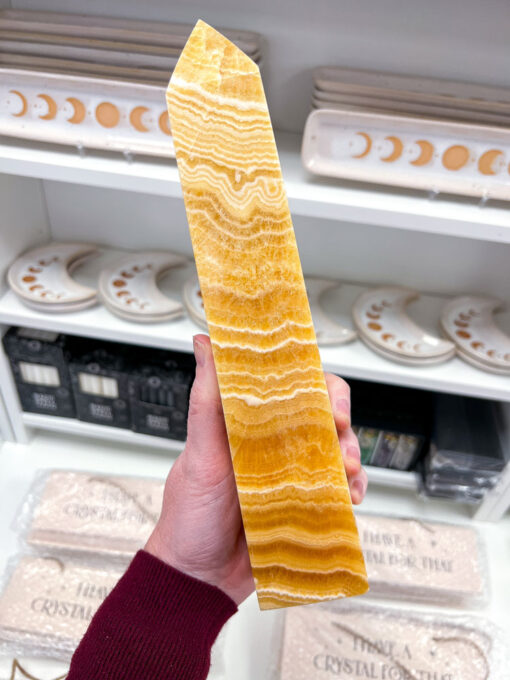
{"x": 128, "y": 287}
{"x": 78, "y": 110}
{"x": 41, "y": 278}
{"x": 420, "y": 153}
{"x": 327, "y": 331}
{"x": 469, "y": 322}
{"x": 194, "y": 302}
{"x": 300, "y": 529}
{"x": 382, "y": 322}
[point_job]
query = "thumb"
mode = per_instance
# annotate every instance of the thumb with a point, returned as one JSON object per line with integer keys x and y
{"x": 206, "y": 424}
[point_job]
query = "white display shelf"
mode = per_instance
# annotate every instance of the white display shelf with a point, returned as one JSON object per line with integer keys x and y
{"x": 74, "y": 427}
{"x": 353, "y": 360}
{"x": 308, "y": 195}
{"x": 394, "y": 479}
{"x": 70, "y": 426}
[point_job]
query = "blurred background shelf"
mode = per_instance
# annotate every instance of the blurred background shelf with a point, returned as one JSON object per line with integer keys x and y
{"x": 73, "y": 427}
{"x": 308, "y": 196}
{"x": 353, "y": 360}
{"x": 77, "y": 428}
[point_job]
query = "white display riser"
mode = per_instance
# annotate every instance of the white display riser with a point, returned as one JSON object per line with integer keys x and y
{"x": 249, "y": 634}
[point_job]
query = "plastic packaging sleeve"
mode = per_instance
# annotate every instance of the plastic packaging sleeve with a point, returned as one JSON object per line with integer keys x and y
{"x": 429, "y": 562}
{"x": 349, "y": 640}
{"x": 28, "y": 668}
{"x": 47, "y": 603}
{"x": 82, "y": 512}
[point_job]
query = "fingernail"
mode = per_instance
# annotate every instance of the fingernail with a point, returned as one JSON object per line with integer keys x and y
{"x": 343, "y": 406}
{"x": 199, "y": 350}
{"x": 357, "y": 486}
{"x": 352, "y": 452}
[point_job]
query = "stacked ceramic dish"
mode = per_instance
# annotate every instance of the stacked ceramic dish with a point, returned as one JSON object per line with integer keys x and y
{"x": 327, "y": 330}
{"x": 383, "y": 325}
{"x": 410, "y": 132}
{"x": 469, "y": 322}
{"x": 107, "y": 47}
{"x": 370, "y": 91}
{"x": 88, "y": 81}
{"x": 128, "y": 287}
{"x": 41, "y": 278}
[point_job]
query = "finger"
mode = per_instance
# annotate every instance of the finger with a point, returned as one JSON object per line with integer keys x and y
{"x": 340, "y": 397}
{"x": 358, "y": 486}
{"x": 350, "y": 452}
{"x": 206, "y": 424}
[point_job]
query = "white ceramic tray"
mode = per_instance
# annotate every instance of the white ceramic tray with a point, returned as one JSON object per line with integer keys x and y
{"x": 84, "y": 69}
{"x": 482, "y": 106}
{"x": 381, "y": 319}
{"x": 385, "y": 104}
{"x": 110, "y": 28}
{"x": 469, "y": 322}
{"x": 409, "y": 152}
{"x": 85, "y": 112}
{"x": 128, "y": 287}
{"x": 96, "y": 55}
{"x": 337, "y": 79}
{"x": 41, "y": 277}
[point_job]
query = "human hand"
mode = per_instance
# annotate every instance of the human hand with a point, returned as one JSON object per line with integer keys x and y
{"x": 200, "y": 531}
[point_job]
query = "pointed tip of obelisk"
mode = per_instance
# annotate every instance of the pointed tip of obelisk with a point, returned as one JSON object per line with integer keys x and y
{"x": 207, "y": 48}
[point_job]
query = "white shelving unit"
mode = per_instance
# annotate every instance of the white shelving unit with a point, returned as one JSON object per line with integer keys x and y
{"x": 308, "y": 196}
{"x": 70, "y": 197}
{"x": 362, "y": 234}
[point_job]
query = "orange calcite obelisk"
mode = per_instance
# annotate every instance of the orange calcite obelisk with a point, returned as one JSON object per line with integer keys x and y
{"x": 302, "y": 536}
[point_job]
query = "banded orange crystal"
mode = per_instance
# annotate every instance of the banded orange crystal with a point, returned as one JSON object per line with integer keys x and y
{"x": 302, "y": 537}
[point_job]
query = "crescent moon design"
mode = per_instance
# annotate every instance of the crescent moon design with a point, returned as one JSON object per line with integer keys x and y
{"x": 395, "y": 335}
{"x": 79, "y": 112}
{"x": 135, "y": 118}
{"x": 52, "y": 286}
{"x": 143, "y": 301}
{"x": 328, "y": 332}
{"x": 455, "y": 157}
{"x": 426, "y": 153}
{"x": 398, "y": 147}
{"x": 486, "y": 161}
{"x": 486, "y": 345}
{"x": 24, "y": 104}
{"x": 368, "y": 147}
{"x": 52, "y": 107}
{"x": 164, "y": 123}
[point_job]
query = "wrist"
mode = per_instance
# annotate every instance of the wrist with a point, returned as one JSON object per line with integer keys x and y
{"x": 158, "y": 547}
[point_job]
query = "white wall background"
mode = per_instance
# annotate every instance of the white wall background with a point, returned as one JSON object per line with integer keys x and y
{"x": 460, "y": 39}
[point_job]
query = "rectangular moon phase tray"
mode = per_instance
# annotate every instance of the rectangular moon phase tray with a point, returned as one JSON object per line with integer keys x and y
{"x": 302, "y": 536}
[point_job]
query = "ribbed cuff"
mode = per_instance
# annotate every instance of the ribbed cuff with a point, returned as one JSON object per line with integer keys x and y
{"x": 157, "y": 622}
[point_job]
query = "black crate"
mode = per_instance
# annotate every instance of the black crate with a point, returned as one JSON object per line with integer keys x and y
{"x": 38, "y": 362}
{"x": 159, "y": 389}
{"x": 99, "y": 376}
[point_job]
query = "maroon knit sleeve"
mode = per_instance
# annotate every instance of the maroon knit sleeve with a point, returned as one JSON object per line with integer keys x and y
{"x": 156, "y": 623}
